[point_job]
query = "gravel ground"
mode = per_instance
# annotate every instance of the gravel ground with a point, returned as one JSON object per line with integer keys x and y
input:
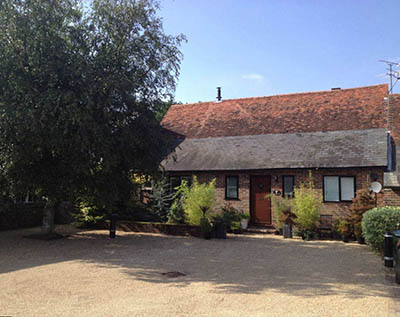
{"x": 88, "y": 274}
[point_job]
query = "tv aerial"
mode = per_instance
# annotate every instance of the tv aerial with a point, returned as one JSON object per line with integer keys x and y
{"x": 393, "y": 74}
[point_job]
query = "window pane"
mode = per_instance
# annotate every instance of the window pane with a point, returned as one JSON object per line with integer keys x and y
{"x": 331, "y": 188}
{"x": 232, "y": 187}
{"x": 288, "y": 185}
{"x": 347, "y": 188}
{"x": 232, "y": 193}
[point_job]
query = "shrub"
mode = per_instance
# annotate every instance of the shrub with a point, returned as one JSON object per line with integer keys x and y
{"x": 376, "y": 222}
{"x": 88, "y": 216}
{"x": 160, "y": 199}
{"x": 307, "y": 204}
{"x": 231, "y": 214}
{"x": 361, "y": 203}
{"x": 176, "y": 213}
{"x": 198, "y": 201}
{"x": 281, "y": 206}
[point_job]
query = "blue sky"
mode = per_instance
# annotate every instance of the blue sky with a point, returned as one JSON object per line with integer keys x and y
{"x": 266, "y": 47}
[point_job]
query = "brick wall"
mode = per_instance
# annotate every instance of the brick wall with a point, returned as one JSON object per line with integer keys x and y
{"x": 391, "y": 197}
{"x": 362, "y": 176}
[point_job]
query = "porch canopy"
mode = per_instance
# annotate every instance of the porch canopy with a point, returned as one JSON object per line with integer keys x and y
{"x": 332, "y": 149}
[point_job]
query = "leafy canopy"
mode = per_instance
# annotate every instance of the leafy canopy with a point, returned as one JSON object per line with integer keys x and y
{"x": 78, "y": 89}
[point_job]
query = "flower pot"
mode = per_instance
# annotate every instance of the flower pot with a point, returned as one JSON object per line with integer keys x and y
{"x": 244, "y": 223}
{"x": 287, "y": 231}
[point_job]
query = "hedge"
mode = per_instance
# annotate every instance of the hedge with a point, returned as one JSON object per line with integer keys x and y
{"x": 376, "y": 222}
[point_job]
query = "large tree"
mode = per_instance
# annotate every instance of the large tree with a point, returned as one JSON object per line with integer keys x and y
{"x": 78, "y": 89}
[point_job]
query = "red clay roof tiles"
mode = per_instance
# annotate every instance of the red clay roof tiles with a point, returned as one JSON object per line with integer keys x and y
{"x": 346, "y": 109}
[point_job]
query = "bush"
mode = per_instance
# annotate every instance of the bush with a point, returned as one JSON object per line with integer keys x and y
{"x": 231, "y": 214}
{"x": 307, "y": 204}
{"x": 361, "y": 203}
{"x": 376, "y": 222}
{"x": 176, "y": 213}
{"x": 160, "y": 199}
{"x": 198, "y": 201}
{"x": 88, "y": 216}
{"x": 280, "y": 206}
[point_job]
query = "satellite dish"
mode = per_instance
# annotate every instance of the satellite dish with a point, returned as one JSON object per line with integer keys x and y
{"x": 376, "y": 187}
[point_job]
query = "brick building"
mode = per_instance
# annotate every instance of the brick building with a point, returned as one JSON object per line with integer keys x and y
{"x": 255, "y": 146}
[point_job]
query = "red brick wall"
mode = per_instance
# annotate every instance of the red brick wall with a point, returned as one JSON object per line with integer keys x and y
{"x": 337, "y": 209}
{"x": 391, "y": 197}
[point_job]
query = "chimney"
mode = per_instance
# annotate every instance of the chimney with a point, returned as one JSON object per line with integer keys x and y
{"x": 219, "y": 94}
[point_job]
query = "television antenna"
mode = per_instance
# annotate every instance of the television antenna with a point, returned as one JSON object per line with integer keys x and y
{"x": 393, "y": 74}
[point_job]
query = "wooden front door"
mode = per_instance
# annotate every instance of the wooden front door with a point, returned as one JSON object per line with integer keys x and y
{"x": 260, "y": 205}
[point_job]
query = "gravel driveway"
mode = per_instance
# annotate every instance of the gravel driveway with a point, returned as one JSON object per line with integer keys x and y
{"x": 88, "y": 274}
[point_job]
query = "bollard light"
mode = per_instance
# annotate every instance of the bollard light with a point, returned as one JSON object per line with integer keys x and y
{"x": 388, "y": 252}
{"x": 113, "y": 225}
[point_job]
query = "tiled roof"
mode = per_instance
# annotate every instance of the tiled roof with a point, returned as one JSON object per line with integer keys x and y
{"x": 346, "y": 109}
{"x": 360, "y": 148}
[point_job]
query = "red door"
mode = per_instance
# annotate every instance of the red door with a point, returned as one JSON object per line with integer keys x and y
{"x": 260, "y": 205}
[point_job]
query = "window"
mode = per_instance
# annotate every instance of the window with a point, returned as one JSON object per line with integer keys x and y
{"x": 339, "y": 188}
{"x": 175, "y": 181}
{"x": 288, "y": 186}
{"x": 232, "y": 187}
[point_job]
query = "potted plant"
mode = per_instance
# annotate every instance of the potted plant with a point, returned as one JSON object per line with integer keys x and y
{"x": 236, "y": 227}
{"x": 344, "y": 229}
{"x": 287, "y": 217}
{"x": 244, "y": 220}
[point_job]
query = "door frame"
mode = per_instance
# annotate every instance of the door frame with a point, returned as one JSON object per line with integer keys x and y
{"x": 252, "y": 211}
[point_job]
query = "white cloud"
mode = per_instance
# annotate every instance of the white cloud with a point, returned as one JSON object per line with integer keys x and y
{"x": 253, "y": 76}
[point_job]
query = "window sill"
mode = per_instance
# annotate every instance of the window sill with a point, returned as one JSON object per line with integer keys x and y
{"x": 231, "y": 198}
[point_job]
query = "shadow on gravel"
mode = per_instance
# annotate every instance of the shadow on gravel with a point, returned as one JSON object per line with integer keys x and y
{"x": 241, "y": 264}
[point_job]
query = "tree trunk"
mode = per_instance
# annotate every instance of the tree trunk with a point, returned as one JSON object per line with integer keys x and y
{"x": 49, "y": 211}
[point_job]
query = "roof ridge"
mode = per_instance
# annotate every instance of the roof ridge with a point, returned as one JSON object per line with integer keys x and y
{"x": 283, "y": 95}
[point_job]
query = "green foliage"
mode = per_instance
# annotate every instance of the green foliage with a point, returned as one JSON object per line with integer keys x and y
{"x": 344, "y": 227}
{"x": 230, "y": 215}
{"x": 176, "y": 213}
{"x": 376, "y": 222}
{"x": 160, "y": 199}
{"x": 198, "y": 201}
{"x": 87, "y": 216}
{"x": 236, "y": 227}
{"x": 280, "y": 206}
{"x": 162, "y": 108}
{"x": 307, "y": 204}
{"x": 78, "y": 95}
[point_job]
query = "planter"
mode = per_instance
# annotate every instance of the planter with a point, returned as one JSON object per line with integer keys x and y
{"x": 244, "y": 223}
{"x": 287, "y": 231}
{"x": 220, "y": 231}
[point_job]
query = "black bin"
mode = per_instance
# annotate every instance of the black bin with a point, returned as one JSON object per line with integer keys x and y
{"x": 396, "y": 244}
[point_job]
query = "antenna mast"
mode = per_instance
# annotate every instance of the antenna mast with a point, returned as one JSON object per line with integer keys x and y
{"x": 393, "y": 74}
